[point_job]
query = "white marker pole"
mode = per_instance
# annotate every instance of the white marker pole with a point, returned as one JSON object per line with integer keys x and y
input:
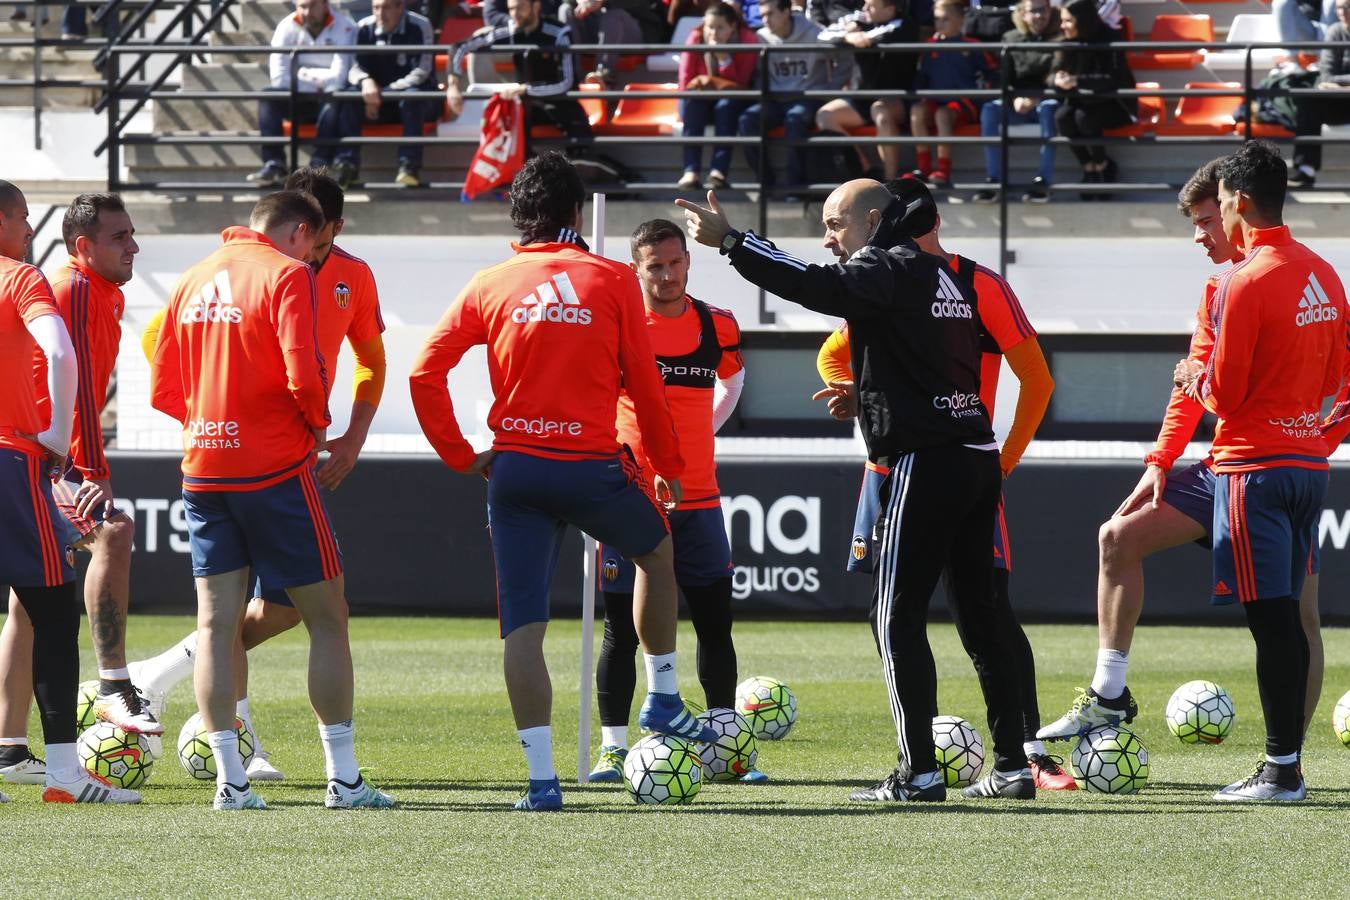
{"x": 588, "y": 573}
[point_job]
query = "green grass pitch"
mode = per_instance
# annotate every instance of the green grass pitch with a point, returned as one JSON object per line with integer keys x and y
{"x": 434, "y": 729}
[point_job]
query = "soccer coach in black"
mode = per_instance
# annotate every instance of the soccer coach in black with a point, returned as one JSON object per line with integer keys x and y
{"x": 915, "y": 332}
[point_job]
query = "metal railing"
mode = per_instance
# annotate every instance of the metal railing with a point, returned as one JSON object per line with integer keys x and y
{"x": 120, "y": 22}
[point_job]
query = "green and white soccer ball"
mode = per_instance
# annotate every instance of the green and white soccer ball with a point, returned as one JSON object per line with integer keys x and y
{"x": 1340, "y": 720}
{"x": 663, "y": 770}
{"x": 1200, "y": 712}
{"x": 194, "y": 751}
{"x": 1110, "y": 760}
{"x": 122, "y": 757}
{"x": 768, "y": 705}
{"x": 959, "y": 750}
{"x": 84, "y": 705}
{"x": 734, "y": 752}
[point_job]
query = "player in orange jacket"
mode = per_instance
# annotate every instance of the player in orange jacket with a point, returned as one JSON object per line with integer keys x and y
{"x": 564, "y": 329}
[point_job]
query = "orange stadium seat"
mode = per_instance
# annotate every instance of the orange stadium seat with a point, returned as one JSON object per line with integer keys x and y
{"x": 455, "y": 29}
{"x": 1152, "y": 113}
{"x": 1196, "y": 28}
{"x": 648, "y": 116}
{"x": 393, "y": 129}
{"x": 1205, "y": 115}
{"x": 597, "y": 111}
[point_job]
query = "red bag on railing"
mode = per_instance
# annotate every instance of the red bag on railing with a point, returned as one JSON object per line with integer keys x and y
{"x": 501, "y": 152}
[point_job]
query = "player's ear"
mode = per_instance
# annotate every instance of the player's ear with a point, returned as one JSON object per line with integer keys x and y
{"x": 337, "y": 227}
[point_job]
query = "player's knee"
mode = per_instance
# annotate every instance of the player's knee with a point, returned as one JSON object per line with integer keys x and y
{"x": 1114, "y": 540}
{"x": 118, "y": 535}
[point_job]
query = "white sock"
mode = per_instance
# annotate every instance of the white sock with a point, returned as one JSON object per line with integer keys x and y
{"x": 339, "y": 752}
{"x": 241, "y": 710}
{"x": 1289, "y": 760}
{"x": 229, "y": 766}
{"x": 1109, "y": 681}
{"x": 62, "y": 763}
{"x": 661, "y": 677}
{"x": 1034, "y": 748}
{"x": 161, "y": 673}
{"x": 13, "y": 742}
{"x": 537, "y": 742}
{"x": 114, "y": 674}
{"x": 610, "y": 736}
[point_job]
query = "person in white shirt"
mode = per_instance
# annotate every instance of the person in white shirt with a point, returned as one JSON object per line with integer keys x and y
{"x": 317, "y": 72}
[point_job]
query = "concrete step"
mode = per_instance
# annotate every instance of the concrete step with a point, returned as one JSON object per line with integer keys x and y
{"x": 262, "y": 15}
{"x": 205, "y": 115}
{"x": 52, "y": 98}
{"x": 240, "y": 39}
{"x": 223, "y": 162}
{"x": 224, "y": 77}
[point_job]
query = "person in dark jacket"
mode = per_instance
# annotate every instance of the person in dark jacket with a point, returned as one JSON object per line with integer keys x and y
{"x": 1037, "y": 22}
{"x": 614, "y": 22}
{"x": 1329, "y": 108}
{"x": 1085, "y": 80}
{"x": 916, "y": 353}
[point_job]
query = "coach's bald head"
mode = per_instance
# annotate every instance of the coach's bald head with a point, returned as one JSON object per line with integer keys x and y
{"x": 851, "y": 214}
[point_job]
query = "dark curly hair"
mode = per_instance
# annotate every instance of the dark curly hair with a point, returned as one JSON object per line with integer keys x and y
{"x": 1258, "y": 170}
{"x": 322, "y": 186}
{"x": 545, "y": 195}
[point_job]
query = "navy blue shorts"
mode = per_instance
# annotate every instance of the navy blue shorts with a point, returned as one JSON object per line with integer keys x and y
{"x": 865, "y": 537}
{"x": 64, "y": 494}
{"x": 270, "y": 595}
{"x": 35, "y": 539}
{"x": 282, "y": 532}
{"x": 1191, "y": 492}
{"x": 532, "y": 500}
{"x": 702, "y": 553}
{"x": 1265, "y": 526}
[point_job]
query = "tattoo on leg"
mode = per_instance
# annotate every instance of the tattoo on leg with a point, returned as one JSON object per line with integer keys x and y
{"x": 107, "y": 629}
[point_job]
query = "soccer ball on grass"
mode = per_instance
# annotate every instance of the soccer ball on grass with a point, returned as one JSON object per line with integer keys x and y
{"x": 768, "y": 705}
{"x": 734, "y": 752}
{"x": 1110, "y": 759}
{"x": 1200, "y": 711}
{"x": 194, "y": 751}
{"x": 121, "y": 757}
{"x": 1340, "y": 720}
{"x": 959, "y": 750}
{"x": 663, "y": 770}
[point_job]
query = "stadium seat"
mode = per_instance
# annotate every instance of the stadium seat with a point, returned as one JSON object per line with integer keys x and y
{"x": 670, "y": 62}
{"x": 1249, "y": 29}
{"x": 597, "y": 111}
{"x": 454, "y": 30}
{"x": 645, "y": 116}
{"x": 1179, "y": 28}
{"x": 1126, "y": 28}
{"x": 393, "y": 129}
{"x": 1152, "y": 113}
{"x": 1205, "y": 115}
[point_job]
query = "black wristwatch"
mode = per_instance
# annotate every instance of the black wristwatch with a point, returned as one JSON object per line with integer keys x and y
{"x": 729, "y": 240}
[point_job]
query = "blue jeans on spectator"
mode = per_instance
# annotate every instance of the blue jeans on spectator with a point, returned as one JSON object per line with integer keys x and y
{"x": 991, "y": 118}
{"x": 74, "y": 21}
{"x": 797, "y": 117}
{"x": 726, "y": 114}
{"x": 328, "y": 119}
{"x": 411, "y": 113}
{"x": 1296, "y": 26}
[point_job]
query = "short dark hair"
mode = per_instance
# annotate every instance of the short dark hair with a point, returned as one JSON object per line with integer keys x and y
{"x": 1257, "y": 169}
{"x": 285, "y": 207}
{"x": 731, "y": 13}
{"x": 320, "y": 185}
{"x": 9, "y": 195}
{"x": 655, "y": 231}
{"x": 781, "y": 4}
{"x": 81, "y": 219}
{"x": 1202, "y": 186}
{"x": 545, "y": 195}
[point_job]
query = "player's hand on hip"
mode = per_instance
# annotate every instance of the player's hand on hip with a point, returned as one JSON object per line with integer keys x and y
{"x": 56, "y": 457}
{"x": 90, "y": 495}
{"x": 1186, "y": 372}
{"x": 1149, "y": 491}
{"x": 320, "y": 439}
{"x": 668, "y": 492}
{"x": 342, "y": 453}
{"x": 482, "y": 464}
{"x": 706, "y": 225}
{"x": 841, "y": 399}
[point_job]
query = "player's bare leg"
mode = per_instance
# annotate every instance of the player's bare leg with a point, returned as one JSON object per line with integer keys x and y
{"x": 323, "y": 608}
{"x": 17, "y": 763}
{"x": 1311, "y": 618}
{"x": 220, "y": 613}
{"x": 527, "y": 681}
{"x": 655, "y": 608}
{"x": 262, "y": 621}
{"x": 1124, "y": 542}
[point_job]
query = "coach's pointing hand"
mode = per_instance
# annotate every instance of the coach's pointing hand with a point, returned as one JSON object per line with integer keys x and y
{"x": 842, "y": 399}
{"x": 706, "y": 224}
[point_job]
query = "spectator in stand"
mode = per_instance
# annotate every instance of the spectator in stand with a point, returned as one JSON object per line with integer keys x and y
{"x": 614, "y": 22}
{"x": 381, "y": 74}
{"x": 1037, "y": 22}
{"x": 790, "y": 72}
{"x": 1304, "y": 20}
{"x": 878, "y": 22}
{"x": 1329, "y": 108}
{"x": 679, "y": 9}
{"x": 1085, "y": 80}
{"x": 714, "y": 71}
{"x": 1112, "y": 17}
{"x": 542, "y": 78}
{"x": 495, "y": 14}
{"x": 964, "y": 70}
{"x": 75, "y": 24}
{"x": 318, "y": 73}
